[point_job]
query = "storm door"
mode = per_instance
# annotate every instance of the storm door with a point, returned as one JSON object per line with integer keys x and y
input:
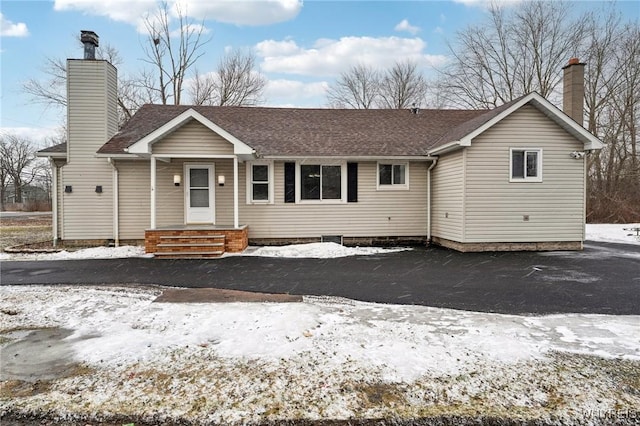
{"x": 199, "y": 194}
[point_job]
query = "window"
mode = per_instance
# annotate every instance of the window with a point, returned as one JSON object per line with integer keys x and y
{"x": 393, "y": 176}
{"x": 259, "y": 178}
{"x": 526, "y": 165}
{"x": 320, "y": 182}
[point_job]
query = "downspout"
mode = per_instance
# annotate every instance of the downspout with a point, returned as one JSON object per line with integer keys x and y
{"x": 433, "y": 164}
{"x": 54, "y": 200}
{"x": 116, "y": 207}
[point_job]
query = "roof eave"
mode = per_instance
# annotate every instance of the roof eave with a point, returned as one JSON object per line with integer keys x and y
{"x": 450, "y": 146}
{"x": 350, "y": 157}
{"x": 56, "y": 155}
{"x": 117, "y": 156}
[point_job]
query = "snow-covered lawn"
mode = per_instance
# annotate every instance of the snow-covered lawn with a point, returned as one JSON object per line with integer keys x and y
{"x": 613, "y": 233}
{"x": 324, "y": 358}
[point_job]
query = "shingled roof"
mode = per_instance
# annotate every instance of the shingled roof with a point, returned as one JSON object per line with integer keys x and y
{"x": 309, "y": 132}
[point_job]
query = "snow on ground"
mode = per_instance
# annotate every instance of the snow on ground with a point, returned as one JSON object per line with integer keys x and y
{"x": 315, "y": 250}
{"x": 613, "y": 233}
{"x": 594, "y": 232}
{"x": 322, "y": 358}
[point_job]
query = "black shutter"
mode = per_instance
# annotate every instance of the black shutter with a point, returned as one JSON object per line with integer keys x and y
{"x": 352, "y": 182}
{"x": 289, "y": 182}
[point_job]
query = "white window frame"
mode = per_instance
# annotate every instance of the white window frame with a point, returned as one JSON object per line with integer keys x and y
{"x": 393, "y": 186}
{"x": 343, "y": 181}
{"x": 250, "y": 182}
{"x": 537, "y": 178}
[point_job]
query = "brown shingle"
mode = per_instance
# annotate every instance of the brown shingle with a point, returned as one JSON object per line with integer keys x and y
{"x": 309, "y": 132}
{"x": 60, "y": 148}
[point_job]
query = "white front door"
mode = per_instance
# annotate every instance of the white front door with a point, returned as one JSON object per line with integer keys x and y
{"x": 199, "y": 193}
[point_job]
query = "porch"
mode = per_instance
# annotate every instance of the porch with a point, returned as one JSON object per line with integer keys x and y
{"x": 195, "y": 241}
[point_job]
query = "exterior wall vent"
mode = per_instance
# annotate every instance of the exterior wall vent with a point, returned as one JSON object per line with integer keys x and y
{"x": 331, "y": 239}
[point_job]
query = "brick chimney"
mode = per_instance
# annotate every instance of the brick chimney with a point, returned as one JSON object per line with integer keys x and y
{"x": 573, "y": 93}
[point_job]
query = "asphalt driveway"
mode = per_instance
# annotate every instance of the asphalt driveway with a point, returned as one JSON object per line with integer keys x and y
{"x": 604, "y": 278}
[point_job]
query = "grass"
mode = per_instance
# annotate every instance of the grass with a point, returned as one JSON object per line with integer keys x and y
{"x": 24, "y": 230}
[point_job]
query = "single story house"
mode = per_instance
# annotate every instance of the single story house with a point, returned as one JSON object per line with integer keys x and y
{"x": 201, "y": 180}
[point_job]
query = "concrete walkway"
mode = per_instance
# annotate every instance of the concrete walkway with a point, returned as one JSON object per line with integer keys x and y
{"x": 604, "y": 278}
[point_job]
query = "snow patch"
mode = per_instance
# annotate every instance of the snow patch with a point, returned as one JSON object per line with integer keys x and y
{"x": 318, "y": 251}
{"x": 612, "y": 233}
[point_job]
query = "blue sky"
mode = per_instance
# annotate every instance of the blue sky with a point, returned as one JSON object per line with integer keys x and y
{"x": 301, "y": 47}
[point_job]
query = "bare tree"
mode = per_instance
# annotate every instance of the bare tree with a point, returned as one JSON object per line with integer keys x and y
{"x": 613, "y": 114}
{"x": 402, "y": 86}
{"x": 236, "y": 82}
{"x": 170, "y": 60}
{"x": 17, "y": 158}
{"x": 52, "y": 91}
{"x": 170, "y": 51}
{"x": 517, "y": 51}
{"x": 357, "y": 88}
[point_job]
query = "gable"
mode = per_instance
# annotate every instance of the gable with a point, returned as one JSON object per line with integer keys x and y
{"x": 463, "y": 135}
{"x": 193, "y": 138}
{"x": 144, "y": 145}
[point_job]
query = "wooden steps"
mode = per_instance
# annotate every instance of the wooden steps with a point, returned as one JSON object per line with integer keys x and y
{"x": 190, "y": 246}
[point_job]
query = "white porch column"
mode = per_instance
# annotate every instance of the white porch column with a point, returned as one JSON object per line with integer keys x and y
{"x": 235, "y": 192}
{"x": 153, "y": 192}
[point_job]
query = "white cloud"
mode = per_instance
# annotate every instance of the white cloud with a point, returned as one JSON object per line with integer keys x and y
{"x": 9, "y": 29}
{"x": 292, "y": 93}
{"x": 118, "y": 10}
{"x": 331, "y": 57}
{"x": 243, "y": 12}
{"x": 404, "y": 25}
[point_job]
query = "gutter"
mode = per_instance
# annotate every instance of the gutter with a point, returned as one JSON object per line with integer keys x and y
{"x": 54, "y": 200}
{"x": 433, "y": 164}
{"x": 350, "y": 157}
{"x": 116, "y": 207}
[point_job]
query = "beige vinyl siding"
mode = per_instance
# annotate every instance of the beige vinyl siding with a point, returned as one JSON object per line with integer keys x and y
{"x": 169, "y": 198}
{"x": 193, "y": 139}
{"x": 92, "y": 120}
{"x": 495, "y": 207}
{"x": 134, "y": 198}
{"x": 447, "y": 197}
{"x": 377, "y": 213}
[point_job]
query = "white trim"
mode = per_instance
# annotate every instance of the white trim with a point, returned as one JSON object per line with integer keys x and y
{"x": 349, "y": 158}
{"x": 144, "y": 145}
{"x": 186, "y": 167}
{"x": 393, "y": 186}
{"x": 165, "y": 156}
{"x": 589, "y": 141}
{"x": 249, "y": 181}
{"x": 119, "y": 156}
{"x": 537, "y": 178}
{"x": 236, "y": 219}
{"x": 56, "y": 155}
{"x": 153, "y": 192}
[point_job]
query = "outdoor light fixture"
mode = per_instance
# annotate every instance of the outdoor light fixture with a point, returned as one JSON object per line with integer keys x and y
{"x": 221, "y": 180}
{"x": 176, "y": 180}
